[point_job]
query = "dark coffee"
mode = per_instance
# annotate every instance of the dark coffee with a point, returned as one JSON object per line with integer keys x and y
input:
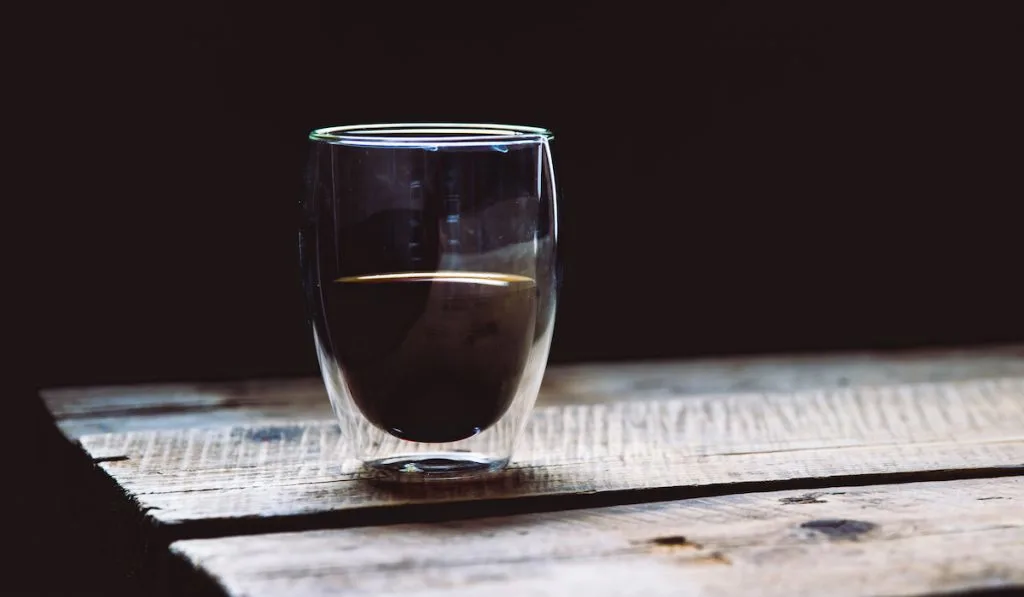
{"x": 432, "y": 357}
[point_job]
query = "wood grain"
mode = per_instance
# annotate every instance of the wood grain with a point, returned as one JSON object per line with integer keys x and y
{"x": 908, "y": 539}
{"x": 81, "y": 411}
{"x": 200, "y": 482}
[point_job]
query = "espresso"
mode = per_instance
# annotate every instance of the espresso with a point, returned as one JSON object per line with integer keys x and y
{"x": 431, "y": 357}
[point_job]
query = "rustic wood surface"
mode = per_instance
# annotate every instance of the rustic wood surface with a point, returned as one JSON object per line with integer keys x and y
{"x": 907, "y": 539}
{"x": 81, "y": 411}
{"x": 203, "y": 482}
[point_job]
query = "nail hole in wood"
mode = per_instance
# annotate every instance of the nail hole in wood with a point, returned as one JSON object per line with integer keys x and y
{"x": 807, "y": 498}
{"x": 839, "y": 528}
{"x": 673, "y": 541}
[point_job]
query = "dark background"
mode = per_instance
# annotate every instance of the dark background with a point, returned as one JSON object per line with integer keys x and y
{"x": 736, "y": 177}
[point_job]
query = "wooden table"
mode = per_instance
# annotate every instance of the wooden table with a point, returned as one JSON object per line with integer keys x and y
{"x": 853, "y": 474}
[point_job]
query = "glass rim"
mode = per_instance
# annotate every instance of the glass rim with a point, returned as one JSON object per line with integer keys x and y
{"x": 431, "y": 135}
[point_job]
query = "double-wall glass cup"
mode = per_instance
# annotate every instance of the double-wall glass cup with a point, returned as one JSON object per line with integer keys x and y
{"x": 428, "y": 254}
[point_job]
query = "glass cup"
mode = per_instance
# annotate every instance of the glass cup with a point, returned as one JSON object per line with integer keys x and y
{"x": 428, "y": 255}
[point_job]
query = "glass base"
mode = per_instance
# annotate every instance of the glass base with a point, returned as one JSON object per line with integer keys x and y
{"x": 436, "y": 466}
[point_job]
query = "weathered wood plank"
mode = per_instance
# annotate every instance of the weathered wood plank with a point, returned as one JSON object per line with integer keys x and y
{"x": 235, "y": 479}
{"x": 81, "y": 411}
{"x": 908, "y": 539}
